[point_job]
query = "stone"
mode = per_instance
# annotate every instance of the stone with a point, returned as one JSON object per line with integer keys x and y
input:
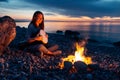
{"x": 7, "y": 32}
{"x": 93, "y": 67}
{"x": 72, "y": 34}
{"x": 67, "y": 66}
{"x": 59, "y": 32}
{"x": 117, "y": 44}
{"x": 89, "y": 76}
{"x": 80, "y": 66}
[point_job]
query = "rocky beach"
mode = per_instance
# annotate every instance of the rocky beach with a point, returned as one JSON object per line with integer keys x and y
{"x": 17, "y": 64}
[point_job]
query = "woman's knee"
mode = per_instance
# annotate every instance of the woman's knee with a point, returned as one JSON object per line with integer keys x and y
{"x": 42, "y": 48}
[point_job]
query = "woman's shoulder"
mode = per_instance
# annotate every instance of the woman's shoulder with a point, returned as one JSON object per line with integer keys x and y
{"x": 30, "y": 25}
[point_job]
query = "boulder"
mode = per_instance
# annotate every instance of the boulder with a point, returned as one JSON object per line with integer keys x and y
{"x": 59, "y": 32}
{"x": 117, "y": 44}
{"x": 75, "y": 35}
{"x": 7, "y": 32}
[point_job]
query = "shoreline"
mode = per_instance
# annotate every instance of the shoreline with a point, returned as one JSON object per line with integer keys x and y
{"x": 99, "y": 42}
{"x": 22, "y": 31}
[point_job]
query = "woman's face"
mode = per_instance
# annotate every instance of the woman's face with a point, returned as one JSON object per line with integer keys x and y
{"x": 39, "y": 19}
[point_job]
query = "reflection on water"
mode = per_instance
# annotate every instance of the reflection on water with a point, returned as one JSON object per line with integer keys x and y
{"x": 22, "y": 24}
{"x": 97, "y": 30}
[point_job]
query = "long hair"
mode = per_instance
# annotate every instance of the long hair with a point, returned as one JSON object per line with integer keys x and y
{"x": 41, "y": 25}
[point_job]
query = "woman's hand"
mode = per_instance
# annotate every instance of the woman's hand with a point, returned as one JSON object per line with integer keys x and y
{"x": 46, "y": 35}
{"x": 38, "y": 38}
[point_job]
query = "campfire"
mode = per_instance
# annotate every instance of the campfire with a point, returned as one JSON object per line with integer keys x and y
{"x": 78, "y": 56}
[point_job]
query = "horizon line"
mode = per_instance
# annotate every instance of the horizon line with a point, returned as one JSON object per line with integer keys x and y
{"x": 72, "y": 21}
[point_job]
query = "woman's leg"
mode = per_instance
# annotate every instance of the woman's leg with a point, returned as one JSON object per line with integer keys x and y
{"x": 53, "y": 48}
{"x": 43, "y": 49}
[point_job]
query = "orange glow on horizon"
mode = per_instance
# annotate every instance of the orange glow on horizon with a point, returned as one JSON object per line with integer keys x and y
{"x": 62, "y": 17}
{"x": 81, "y": 18}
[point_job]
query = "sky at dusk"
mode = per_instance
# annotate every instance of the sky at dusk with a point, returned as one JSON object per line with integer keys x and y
{"x": 62, "y": 9}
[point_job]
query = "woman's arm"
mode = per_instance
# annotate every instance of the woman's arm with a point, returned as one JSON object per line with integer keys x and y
{"x": 38, "y": 38}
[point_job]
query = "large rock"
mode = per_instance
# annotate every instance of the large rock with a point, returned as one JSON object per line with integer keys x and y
{"x": 72, "y": 34}
{"x": 117, "y": 44}
{"x": 7, "y": 32}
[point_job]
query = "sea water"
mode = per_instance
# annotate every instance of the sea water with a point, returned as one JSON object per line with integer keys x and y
{"x": 101, "y": 31}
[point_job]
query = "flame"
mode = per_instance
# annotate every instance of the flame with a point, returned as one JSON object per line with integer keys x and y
{"x": 79, "y": 56}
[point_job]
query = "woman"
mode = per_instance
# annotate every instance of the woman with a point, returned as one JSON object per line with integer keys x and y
{"x": 35, "y": 38}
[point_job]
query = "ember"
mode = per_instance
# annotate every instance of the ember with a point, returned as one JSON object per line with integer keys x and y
{"x": 79, "y": 55}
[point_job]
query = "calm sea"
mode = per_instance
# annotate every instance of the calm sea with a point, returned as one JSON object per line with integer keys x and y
{"x": 104, "y": 31}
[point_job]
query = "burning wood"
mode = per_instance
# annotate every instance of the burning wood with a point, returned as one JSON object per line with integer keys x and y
{"x": 79, "y": 55}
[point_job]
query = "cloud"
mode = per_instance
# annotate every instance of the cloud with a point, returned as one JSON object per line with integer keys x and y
{"x": 70, "y": 8}
{"x": 76, "y": 8}
{"x": 3, "y": 0}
